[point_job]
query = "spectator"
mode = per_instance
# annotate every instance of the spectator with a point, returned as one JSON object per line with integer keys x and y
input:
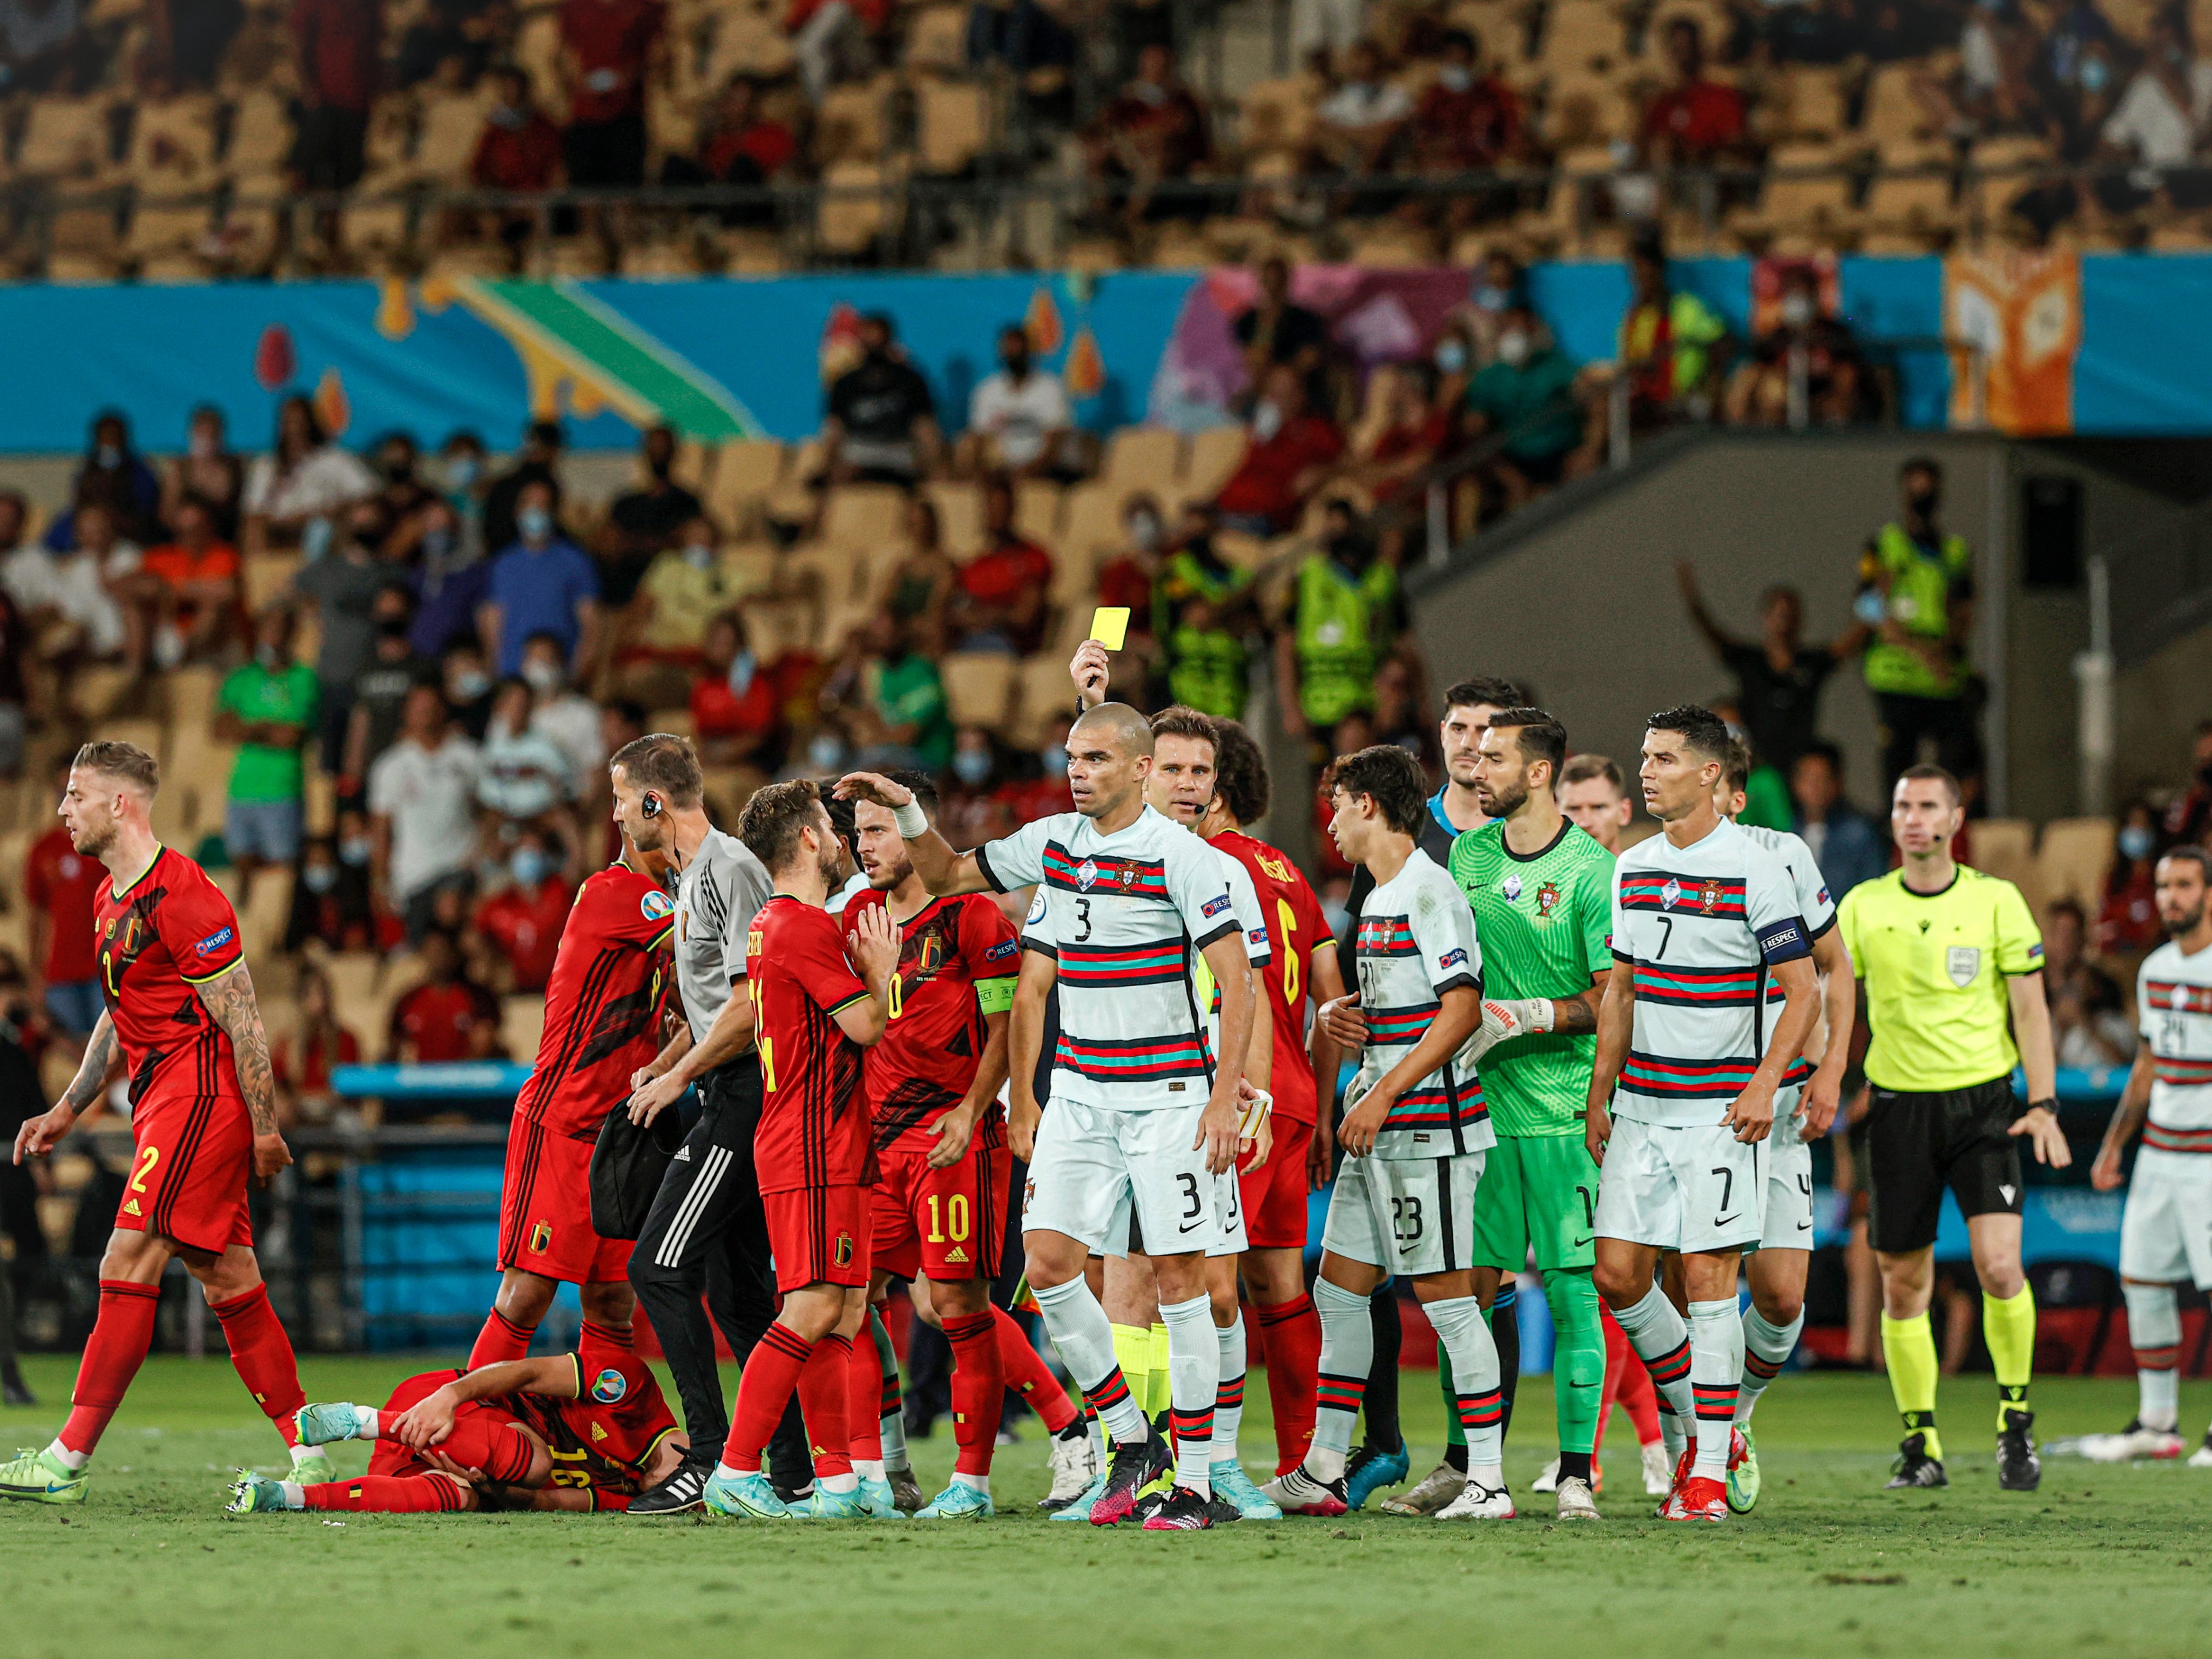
{"x": 608, "y": 49}
{"x": 537, "y": 463}
{"x": 1809, "y": 349}
{"x": 14, "y": 650}
{"x": 449, "y": 1017}
{"x": 1020, "y": 420}
{"x": 61, "y": 889}
{"x": 2127, "y": 921}
{"x": 524, "y": 775}
{"x": 306, "y": 480}
{"x": 1361, "y": 120}
{"x": 342, "y": 586}
{"x": 1847, "y": 845}
{"x": 2189, "y": 815}
{"x": 1343, "y": 616}
{"x": 1040, "y": 797}
{"x": 1504, "y": 285}
{"x": 1402, "y": 713}
{"x": 1526, "y": 396}
{"x": 210, "y": 470}
{"x": 269, "y": 708}
{"x": 1917, "y": 594}
{"x": 558, "y": 710}
{"x": 45, "y": 47}
{"x": 15, "y": 520}
{"x": 541, "y": 584}
{"x": 741, "y": 145}
{"x": 2159, "y": 125}
{"x": 462, "y": 474}
{"x": 1412, "y": 432}
{"x": 1667, "y": 340}
{"x": 524, "y": 919}
{"x": 332, "y": 901}
{"x": 1277, "y": 330}
{"x": 683, "y": 591}
{"x": 831, "y": 39}
{"x": 1594, "y": 795}
{"x": 972, "y": 810}
{"x": 519, "y": 148}
{"x": 901, "y": 714}
{"x": 192, "y": 588}
{"x": 451, "y": 579}
{"x": 923, "y": 585}
{"x": 734, "y": 716}
{"x": 379, "y": 690}
{"x": 338, "y": 50}
{"x": 1129, "y": 579}
{"x": 1150, "y": 138}
{"x": 1696, "y": 120}
{"x": 2089, "y": 1026}
{"x": 1001, "y": 602}
{"x": 452, "y": 39}
{"x": 72, "y": 600}
{"x": 643, "y": 524}
{"x": 466, "y": 678}
{"x": 1779, "y": 680}
{"x": 882, "y": 422}
{"x": 422, "y": 829}
{"x": 1467, "y": 121}
{"x": 403, "y": 495}
{"x": 112, "y": 476}
{"x": 1292, "y": 452}
{"x": 301, "y": 1059}
{"x": 1200, "y": 606}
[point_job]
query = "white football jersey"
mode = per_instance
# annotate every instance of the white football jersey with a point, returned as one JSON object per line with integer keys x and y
{"x": 1244, "y": 905}
{"x": 1814, "y": 908}
{"x": 2174, "y": 1001}
{"x": 1415, "y": 941}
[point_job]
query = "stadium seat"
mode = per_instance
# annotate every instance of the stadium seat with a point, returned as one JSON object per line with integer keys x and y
{"x": 2075, "y": 857}
{"x": 1091, "y": 523}
{"x": 1920, "y": 201}
{"x": 937, "y": 39}
{"x": 953, "y": 125}
{"x": 864, "y": 516}
{"x": 978, "y": 686}
{"x": 848, "y": 225}
{"x": 959, "y": 516}
{"x": 745, "y": 474}
{"x": 521, "y": 1023}
{"x": 446, "y": 138}
{"x": 260, "y": 138}
{"x": 1215, "y": 455}
{"x": 2005, "y": 848}
{"x": 64, "y": 137}
{"x": 1037, "y": 510}
{"x": 1142, "y": 458}
{"x": 268, "y": 910}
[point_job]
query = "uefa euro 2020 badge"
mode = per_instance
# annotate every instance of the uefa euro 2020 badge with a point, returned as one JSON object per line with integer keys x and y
{"x": 610, "y": 1386}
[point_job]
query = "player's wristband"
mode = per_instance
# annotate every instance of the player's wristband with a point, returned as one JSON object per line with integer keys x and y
{"x": 913, "y": 822}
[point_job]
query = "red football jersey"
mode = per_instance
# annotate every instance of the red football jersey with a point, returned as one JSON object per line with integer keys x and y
{"x": 603, "y": 1002}
{"x": 528, "y": 930}
{"x": 168, "y": 933}
{"x": 66, "y": 884}
{"x": 926, "y": 1062}
{"x": 814, "y": 1121}
{"x": 1295, "y": 930}
{"x": 606, "y": 1435}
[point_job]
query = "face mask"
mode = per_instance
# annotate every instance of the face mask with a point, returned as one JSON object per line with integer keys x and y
{"x": 1349, "y": 550}
{"x": 1796, "y": 310}
{"x": 266, "y": 654}
{"x": 315, "y": 539}
{"x": 541, "y": 675}
{"x": 1334, "y": 916}
{"x": 1144, "y": 531}
{"x": 354, "y": 850}
{"x": 2135, "y": 841}
{"x": 437, "y": 542}
{"x": 110, "y": 457}
{"x": 742, "y": 669}
{"x": 699, "y": 555}
{"x": 1052, "y": 757}
{"x": 1922, "y": 502}
{"x": 470, "y": 684}
{"x": 1016, "y": 366}
{"x": 535, "y": 523}
{"x": 972, "y": 766}
{"x": 1454, "y": 78}
{"x": 392, "y": 628}
{"x": 2095, "y": 73}
{"x": 1451, "y": 357}
{"x": 507, "y": 117}
{"x": 319, "y": 877}
{"x": 827, "y": 752}
{"x": 1493, "y": 298}
{"x": 399, "y": 469}
{"x": 462, "y": 471}
{"x": 1513, "y": 348}
{"x": 530, "y": 866}
{"x": 1145, "y": 93}
{"x": 1267, "y": 421}
{"x": 203, "y": 446}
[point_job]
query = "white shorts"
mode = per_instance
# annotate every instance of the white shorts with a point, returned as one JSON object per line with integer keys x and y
{"x": 1096, "y": 1170}
{"x": 2166, "y": 1231}
{"x": 1405, "y": 1215}
{"x": 1228, "y": 1216}
{"x": 1693, "y": 1189}
{"x": 1789, "y": 1180}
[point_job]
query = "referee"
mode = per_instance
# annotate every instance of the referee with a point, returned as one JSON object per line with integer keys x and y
{"x": 1951, "y": 965}
{"x": 705, "y": 1230}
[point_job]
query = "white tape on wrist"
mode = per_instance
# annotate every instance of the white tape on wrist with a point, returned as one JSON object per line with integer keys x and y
{"x": 1256, "y": 1114}
{"x": 912, "y": 821}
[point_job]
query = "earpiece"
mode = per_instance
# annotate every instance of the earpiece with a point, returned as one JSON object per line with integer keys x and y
{"x": 651, "y": 804}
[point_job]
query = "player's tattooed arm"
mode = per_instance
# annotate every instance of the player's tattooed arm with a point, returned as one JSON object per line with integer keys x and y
{"x": 1577, "y": 1016}
{"x": 101, "y": 1052}
{"x": 230, "y": 1002}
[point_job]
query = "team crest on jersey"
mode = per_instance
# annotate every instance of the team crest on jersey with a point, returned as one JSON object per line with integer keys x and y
{"x": 1512, "y": 888}
{"x": 1671, "y": 894}
{"x": 1962, "y": 962}
{"x": 1709, "y": 895}
{"x": 1547, "y": 900}
{"x": 656, "y": 906}
{"x": 1087, "y": 873}
{"x": 541, "y": 1237}
{"x": 931, "y": 957}
{"x": 841, "y": 1250}
{"x": 609, "y": 1386}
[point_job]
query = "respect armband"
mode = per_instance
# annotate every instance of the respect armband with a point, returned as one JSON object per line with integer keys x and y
{"x": 995, "y": 996}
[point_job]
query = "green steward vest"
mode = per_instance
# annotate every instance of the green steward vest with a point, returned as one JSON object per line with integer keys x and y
{"x": 1336, "y": 637}
{"x": 1919, "y": 602}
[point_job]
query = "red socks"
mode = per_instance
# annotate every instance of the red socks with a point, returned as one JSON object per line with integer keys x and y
{"x": 1027, "y": 1375}
{"x": 824, "y": 1384}
{"x": 121, "y": 1333}
{"x": 771, "y": 1372}
{"x": 1289, "y": 1336}
{"x": 1628, "y": 1383}
{"x": 864, "y": 1386}
{"x": 388, "y": 1494}
{"x": 263, "y": 1355}
{"x": 979, "y": 1390}
{"x": 613, "y": 1336}
{"x": 500, "y": 1339}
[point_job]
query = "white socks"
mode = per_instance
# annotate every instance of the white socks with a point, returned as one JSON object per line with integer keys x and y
{"x": 867, "y": 1470}
{"x": 1716, "y": 1365}
{"x": 1347, "y": 1351}
{"x": 1464, "y": 1331}
{"x": 1229, "y": 1402}
{"x": 1194, "y": 1384}
{"x": 2154, "y": 1332}
{"x": 1085, "y": 1338}
{"x": 68, "y": 1459}
{"x": 1766, "y": 1349}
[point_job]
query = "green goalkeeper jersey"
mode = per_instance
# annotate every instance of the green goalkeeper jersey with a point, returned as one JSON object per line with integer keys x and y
{"x": 1545, "y": 924}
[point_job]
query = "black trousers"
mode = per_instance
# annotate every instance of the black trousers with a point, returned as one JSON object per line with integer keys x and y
{"x": 1905, "y": 721}
{"x": 707, "y": 1234}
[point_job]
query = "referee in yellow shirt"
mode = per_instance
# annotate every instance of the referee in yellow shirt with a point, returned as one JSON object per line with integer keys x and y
{"x": 1952, "y": 964}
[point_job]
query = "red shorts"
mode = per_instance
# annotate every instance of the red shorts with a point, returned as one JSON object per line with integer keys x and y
{"x": 818, "y": 1235}
{"x": 189, "y": 1170}
{"x": 546, "y": 1210}
{"x": 1274, "y": 1196}
{"x": 941, "y": 1224}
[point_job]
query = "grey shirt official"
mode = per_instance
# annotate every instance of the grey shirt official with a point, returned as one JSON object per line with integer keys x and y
{"x": 721, "y": 890}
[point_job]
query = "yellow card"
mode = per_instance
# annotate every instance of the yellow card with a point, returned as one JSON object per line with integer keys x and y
{"x": 1109, "y": 625}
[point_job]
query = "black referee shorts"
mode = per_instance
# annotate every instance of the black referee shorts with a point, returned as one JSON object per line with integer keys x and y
{"x": 1919, "y": 1143}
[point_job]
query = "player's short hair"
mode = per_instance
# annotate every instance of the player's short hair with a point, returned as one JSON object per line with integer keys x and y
{"x": 1821, "y": 750}
{"x": 1540, "y": 736}
{"x": 2196, "y": 855}
{"x": 923, "y": 785}
{"x": 666, "y": 763}
{"x": 1486, "y": 688}
{"x": 1180, "y": 721}
{"x": 1735, "y": 765}
{"x": 1390, "y": 776}
{"x": 1582, "y": 767}
{"x": 1703, "y": 729}
{"x": 1928, "y": 771}
{"x": 1927, "y": 464}
{"x": 124, "y": 761}
{"x": 840, "y": 819}
{"x": 1240, "y": 772}
{"x": 771, "y": 824}
{"x": 1125, "y": 726}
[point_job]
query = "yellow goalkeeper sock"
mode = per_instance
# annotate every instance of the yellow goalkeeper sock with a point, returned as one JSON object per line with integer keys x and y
{"x": 1160, "y": 1399}
{"x": 1909, "y": 1348}
{"x": 1132, "y": 1351}
{"x": 2009, "y": 1329}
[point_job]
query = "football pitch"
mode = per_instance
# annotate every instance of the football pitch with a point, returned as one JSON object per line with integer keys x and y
{"x": 2110, "y": 1561}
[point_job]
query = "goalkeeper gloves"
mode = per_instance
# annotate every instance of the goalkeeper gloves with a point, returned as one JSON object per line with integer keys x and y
{"x": 1501, "y": 1022}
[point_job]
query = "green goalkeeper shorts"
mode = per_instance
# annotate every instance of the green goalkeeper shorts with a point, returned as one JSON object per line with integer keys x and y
{"x": 1538, "y": 1192}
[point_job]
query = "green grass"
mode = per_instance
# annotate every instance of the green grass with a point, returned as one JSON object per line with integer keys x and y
{"x": 2101, "y": 1560}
